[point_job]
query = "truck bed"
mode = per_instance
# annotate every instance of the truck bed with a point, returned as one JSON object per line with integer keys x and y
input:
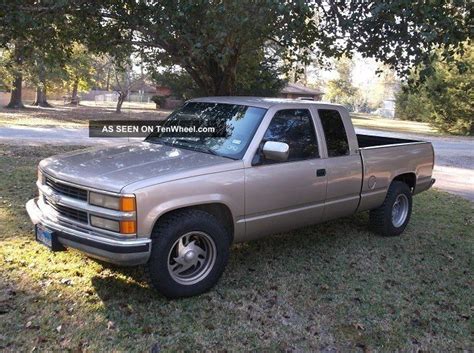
{"x": 383, "y": 158}
{"x": 378, "y": 141}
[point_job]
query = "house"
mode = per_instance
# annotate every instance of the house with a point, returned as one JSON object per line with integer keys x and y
{"x": 296, "y": 90}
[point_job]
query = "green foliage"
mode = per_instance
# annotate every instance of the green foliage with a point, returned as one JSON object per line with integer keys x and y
{"x": 412, "y": 105}
{"x": 208, "y": 39}
{"x": 6, "y": 76}
{"x": 256, "y": 75}
{"x": 341, "y": 90}
{"x": 402, "y": 34}
{"x": 180, "y": 82}
{"x": 445, "y": 99}
{"x": 79, "y": 68}
{"x": 159, "y": 100}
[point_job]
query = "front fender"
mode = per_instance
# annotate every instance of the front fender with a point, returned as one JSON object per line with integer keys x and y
{"x": 225, "y": 188}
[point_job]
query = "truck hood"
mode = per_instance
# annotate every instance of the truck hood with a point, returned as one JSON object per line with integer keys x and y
{"x": 113, "y": 168}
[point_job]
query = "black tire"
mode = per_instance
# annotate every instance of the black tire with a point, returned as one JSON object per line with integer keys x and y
{"x": 167, "y": 233}
{"x": 381, "y": 218}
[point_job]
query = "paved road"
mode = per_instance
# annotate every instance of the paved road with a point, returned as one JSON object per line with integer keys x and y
{"x": 40, "y": 135}
{"x": 454, "y": 169}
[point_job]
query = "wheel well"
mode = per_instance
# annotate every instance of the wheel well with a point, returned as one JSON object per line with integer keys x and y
{"x": 407, "y": 178}
{"x": 218, "y": 210}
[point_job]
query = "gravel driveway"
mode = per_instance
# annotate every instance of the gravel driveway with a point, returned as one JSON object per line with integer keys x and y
{"x": 454, "y": 167}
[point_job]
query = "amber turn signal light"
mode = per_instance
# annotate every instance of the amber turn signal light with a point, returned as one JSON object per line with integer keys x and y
{"x": 127, "y": 204}
{"x": 128, "y": 227}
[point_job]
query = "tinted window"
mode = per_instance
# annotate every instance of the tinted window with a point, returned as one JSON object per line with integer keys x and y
{"x": 336, "y": 138}
{"x": 294, "y": 127}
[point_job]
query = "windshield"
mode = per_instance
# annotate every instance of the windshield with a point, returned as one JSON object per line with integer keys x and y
{"x": 241, "y": 122}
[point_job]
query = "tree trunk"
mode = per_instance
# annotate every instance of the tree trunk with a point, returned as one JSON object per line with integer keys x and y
{"x": 107, "y": 82}
{"x": 121, "y": 98}
{"x": 74, "y": 97}
{"x": 41, "y": 100}
{"x": 214, "y": 80}
{"x": 15, "y": 98}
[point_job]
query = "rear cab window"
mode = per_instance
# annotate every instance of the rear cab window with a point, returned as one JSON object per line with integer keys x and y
{"x": 335, "y": 132}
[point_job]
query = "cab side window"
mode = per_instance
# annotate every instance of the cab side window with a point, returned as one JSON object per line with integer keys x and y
{"x": 335, "y": 132}
{"x": 294, "y": 127}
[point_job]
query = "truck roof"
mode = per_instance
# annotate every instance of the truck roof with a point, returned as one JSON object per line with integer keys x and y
{"x": 261, "y": 102}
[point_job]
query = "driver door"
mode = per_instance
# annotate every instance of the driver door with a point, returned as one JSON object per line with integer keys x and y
{"x": 283, "y": 195}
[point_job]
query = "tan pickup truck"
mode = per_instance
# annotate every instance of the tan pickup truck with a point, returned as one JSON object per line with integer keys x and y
{"x": 176, "y": 205}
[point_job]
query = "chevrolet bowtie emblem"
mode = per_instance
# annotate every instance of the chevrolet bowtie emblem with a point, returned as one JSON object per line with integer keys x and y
{"x": 55, "y": 198}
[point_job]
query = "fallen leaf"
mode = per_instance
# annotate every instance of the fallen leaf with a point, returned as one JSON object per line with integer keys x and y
{"x": 66, "y": 281}
{"x": 110, "y": 325}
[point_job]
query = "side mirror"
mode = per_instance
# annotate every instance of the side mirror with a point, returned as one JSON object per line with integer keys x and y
{"x": 276, "y": 151}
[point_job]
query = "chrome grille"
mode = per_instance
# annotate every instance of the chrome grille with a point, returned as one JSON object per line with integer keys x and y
{"x": 79, "y": 216}
{"x": 67, "y": 190}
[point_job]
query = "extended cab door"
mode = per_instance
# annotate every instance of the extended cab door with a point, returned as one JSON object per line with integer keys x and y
{"x": 284, "y": 195}
{"x": 343, "y": 162}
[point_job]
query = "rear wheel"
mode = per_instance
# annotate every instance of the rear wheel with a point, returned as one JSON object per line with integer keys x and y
{"x": 392, "y": 217}
{"x": 189, "y": 252}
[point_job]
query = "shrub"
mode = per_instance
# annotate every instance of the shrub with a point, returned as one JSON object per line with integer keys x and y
{"x": 445, "y": 99}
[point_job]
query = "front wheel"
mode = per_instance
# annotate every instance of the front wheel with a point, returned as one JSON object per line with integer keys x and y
{"x": 190, "y": 249}
{"x": 393, "y": 216}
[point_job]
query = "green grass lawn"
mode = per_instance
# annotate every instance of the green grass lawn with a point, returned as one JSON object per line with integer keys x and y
{"x": 334, "y": 287}
{"x": 374, "y": 122}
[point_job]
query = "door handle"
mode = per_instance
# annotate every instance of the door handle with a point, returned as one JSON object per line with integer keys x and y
{"x": 321, "y": 172}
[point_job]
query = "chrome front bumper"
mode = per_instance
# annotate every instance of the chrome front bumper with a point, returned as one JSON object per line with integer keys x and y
{"x": 121, "y": 252}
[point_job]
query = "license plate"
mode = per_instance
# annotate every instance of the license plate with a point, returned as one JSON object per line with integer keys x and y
{"x": 49, "y": 238}
{"x": 44, "y": 236}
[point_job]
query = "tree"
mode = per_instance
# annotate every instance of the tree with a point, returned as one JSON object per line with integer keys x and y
{"x": 444, "y": 99}
{"x": 256, "y": 75}
{"x": 79, "y": 71}
{"x": 403, "y": 34}
{"x": 46, "y": 26}
{"x": 6, "y": 77}
{"x": 125, "y": 79}
{"x": 341, "y": 90}
{"x": 17, "y": 85}
{"x": 102, "y": 67}
{"x": 208, "y": 39}
{"x": 178, "y": 81}
{"x": 43, "y": 71}
{"x": 259, "y": 74}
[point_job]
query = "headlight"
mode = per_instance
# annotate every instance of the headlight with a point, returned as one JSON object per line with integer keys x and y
{"x": 123, "y": 203}
{"x": 105, "y": 223}
{"x": 123, "y": 227}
